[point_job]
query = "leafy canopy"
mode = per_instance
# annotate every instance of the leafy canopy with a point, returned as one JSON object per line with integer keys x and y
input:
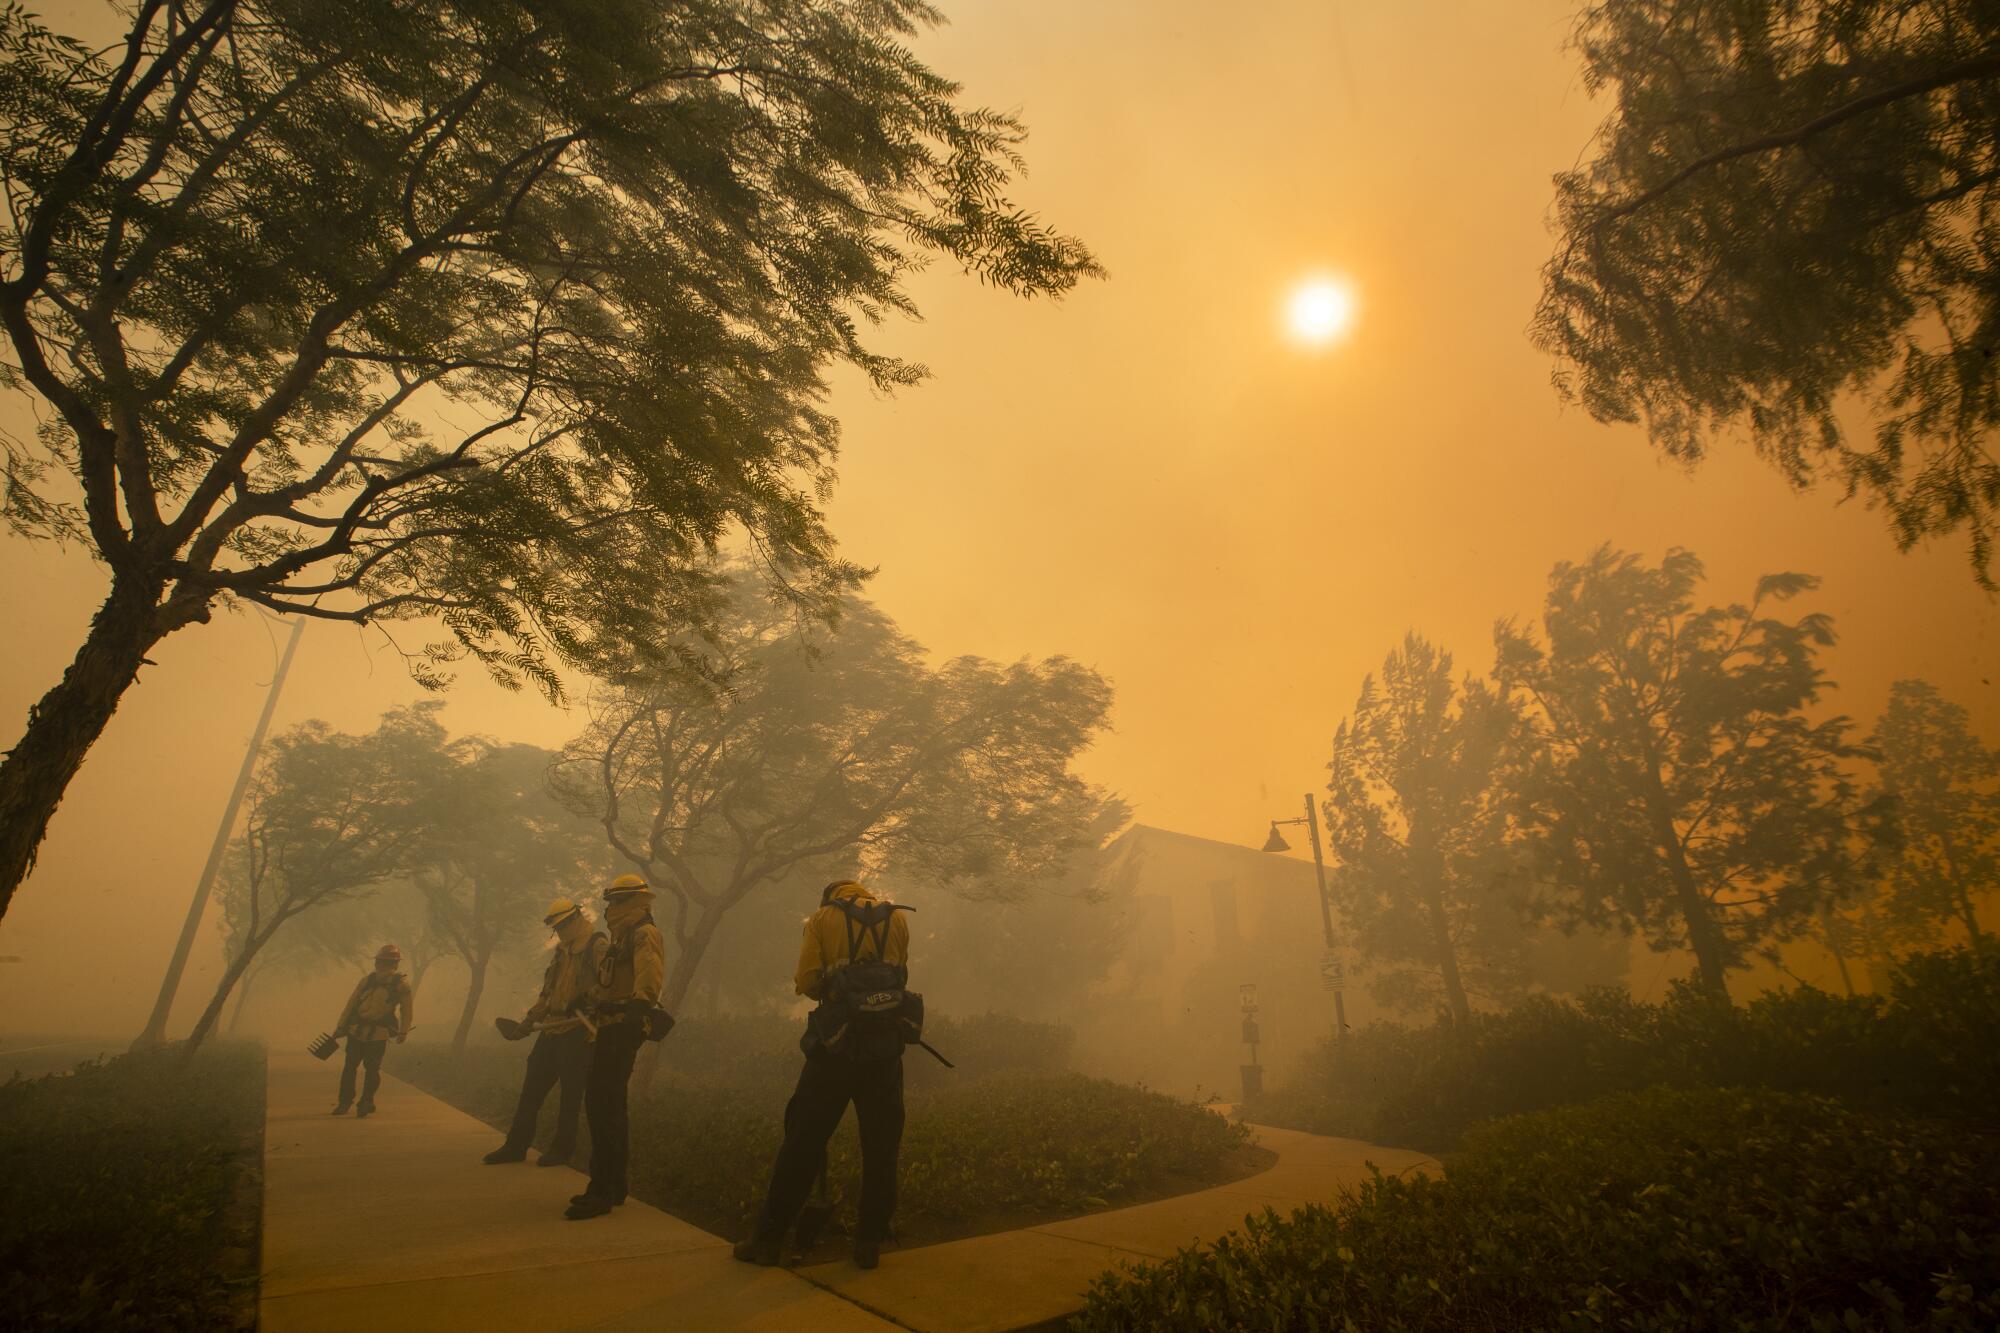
{"x": 1416, "y": 818}
{"x": 776, "y": 759}
{"x": 1945, "y": 785}
{"x": 1676, "y": 782}
{"x": 498, "y": 312}
{"x": 1785, "y": 227}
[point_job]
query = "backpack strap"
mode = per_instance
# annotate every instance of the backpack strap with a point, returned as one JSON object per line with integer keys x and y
{"x": 866, "y": 924}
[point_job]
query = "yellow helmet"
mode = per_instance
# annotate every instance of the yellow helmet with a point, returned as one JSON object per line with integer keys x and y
{"x": 627, "y": 884}
{"x": 561, "y": 910}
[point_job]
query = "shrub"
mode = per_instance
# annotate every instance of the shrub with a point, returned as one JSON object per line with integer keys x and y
{"x": 1928, "y": 1047}
{"x": 1664, "y": 1210}
{"x": 116, "y": 1190}
{"x": 1015, "y": 1140}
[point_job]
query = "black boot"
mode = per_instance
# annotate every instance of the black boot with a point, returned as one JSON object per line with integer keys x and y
{"x": 867, "y": 1253}
{"x": 342, "y": 1109}
{"x": 363, "y": 1111}
{"x": 763, "y": 1253}
{"x": 504, "y": 1154}
{"x": 552, "y": 1158}
{"x": 586, "y": 1206}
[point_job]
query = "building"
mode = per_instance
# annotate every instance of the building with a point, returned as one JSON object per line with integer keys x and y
{"x": 1202, "y": 920}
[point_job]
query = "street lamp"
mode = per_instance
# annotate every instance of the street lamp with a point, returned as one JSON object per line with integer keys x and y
{"x": 1329, "y": 964}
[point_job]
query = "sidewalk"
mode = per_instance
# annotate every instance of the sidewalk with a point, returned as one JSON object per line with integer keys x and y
{"x": 393, "y": 1223}
{"x": 1017, "y": 1279}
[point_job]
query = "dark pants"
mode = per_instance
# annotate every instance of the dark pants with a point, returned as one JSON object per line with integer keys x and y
{"x": 826, "y": 1085}
{"x": 605, "y": 1104}
{"x": 557, "y": 1057}
{"x": 362, "y": 1053}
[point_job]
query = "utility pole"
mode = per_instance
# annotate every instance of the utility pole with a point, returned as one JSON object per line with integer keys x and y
{"x": 1329, "y": 968}
{"x": 156, "y": 1026}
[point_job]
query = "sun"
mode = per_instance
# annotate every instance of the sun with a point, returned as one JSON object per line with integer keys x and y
{"x": 1320, "y": 311}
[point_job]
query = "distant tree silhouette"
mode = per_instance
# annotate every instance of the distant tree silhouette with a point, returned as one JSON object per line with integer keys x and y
{"x": 718, "y": 783}
{"x": 497, "y": 849}
{"x": 1945, "y": 784}
{"x": 1674, "y": 784}
{"x": 329, "y": 817}
{"x": 1417, "y": 823}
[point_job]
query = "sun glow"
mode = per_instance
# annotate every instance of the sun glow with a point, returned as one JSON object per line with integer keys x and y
{"x": 1320, "y": 311}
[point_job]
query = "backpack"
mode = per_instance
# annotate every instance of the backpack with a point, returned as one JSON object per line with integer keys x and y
{"x": 866, "y": 1009}
{"x": 377, "y": 1005}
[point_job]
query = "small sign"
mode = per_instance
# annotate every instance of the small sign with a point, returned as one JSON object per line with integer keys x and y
{"x": 1248, "y": 994}
{"x": 1330, "y": 973}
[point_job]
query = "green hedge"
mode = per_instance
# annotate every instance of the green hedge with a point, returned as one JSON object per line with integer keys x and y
{"x": 117, "y": 1191}
{"x": 1672, "y": 1209}
{"x": 1931, "y": 1046}
{"x": 1019, "y": 1140}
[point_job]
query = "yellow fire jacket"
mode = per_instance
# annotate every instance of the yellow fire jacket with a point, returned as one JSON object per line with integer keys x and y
{"x": 370, "y": 1014}
{"x": 825, "y": 943}
{"x": 571, "y": 972}
{"x": 633, "y": 966}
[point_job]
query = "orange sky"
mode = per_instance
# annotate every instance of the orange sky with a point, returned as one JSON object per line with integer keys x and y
{"x": 1148, "y": 477}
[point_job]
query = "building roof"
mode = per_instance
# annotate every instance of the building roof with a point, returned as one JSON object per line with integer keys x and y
{"x": 1145, "y": 837}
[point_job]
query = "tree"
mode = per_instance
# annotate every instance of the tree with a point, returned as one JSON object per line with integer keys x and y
{"x": 1416, "y": 823}
{"x": 1788, "y": 221}
{"x": 716, "y": 784}
{"x": 344, "y": 933}
{"x": 333, "y": 933}
{"x": 1673, "y": 783}
{"x": 498, "y": 313}
{"x": 498, "y": 849}
{"x": 1945, "y": 785}
{"x": 330, "y": 816}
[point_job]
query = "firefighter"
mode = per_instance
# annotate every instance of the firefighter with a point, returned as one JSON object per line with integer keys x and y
{"x": 852, "y": 935}
{"x": 368, "y": 1022}
{"x": 625, "y": 1000}
{"x": 561, "y": 1054}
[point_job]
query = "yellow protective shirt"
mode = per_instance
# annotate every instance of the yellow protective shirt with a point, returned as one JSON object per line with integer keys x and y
{"x": 571, "y": 972}
{"x": 634, "y": 965}
{"x": 825, "y": 943}
{"x": 370, "y": 1014}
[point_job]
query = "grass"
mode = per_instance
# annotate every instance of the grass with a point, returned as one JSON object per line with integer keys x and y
{"x": 127, "y": 1193}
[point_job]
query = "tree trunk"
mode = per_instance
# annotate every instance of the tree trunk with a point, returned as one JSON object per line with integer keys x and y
{"x": 682, "y": 976}
{"x": 66, "y": 722}
{"x": 230, "y": 976}
{"x": 473, "y": 988}
{"x": 1970, "y": 916}
{"x": 1454, "y": 984}
{"x": 1706, "y": 942}
{"x": 242, "y": 998}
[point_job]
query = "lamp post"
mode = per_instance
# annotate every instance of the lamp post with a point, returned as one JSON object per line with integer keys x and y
{"x": 1253, "y": 1073}
{"x": 1329, "y": 966}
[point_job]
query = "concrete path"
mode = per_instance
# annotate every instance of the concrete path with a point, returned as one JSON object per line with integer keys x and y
{"x": 393, "y": 1223}
{"x": 1018, "y": 1279}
